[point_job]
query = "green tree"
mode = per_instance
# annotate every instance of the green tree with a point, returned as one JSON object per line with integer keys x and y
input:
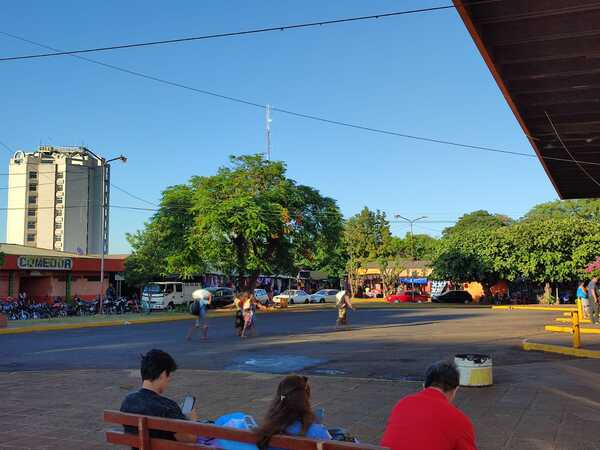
{"x": 547, "y": 251}
{"x": 478, "y": 220}
{"x": 420, "y": 246}
{"x": 252, "y": 219}
{"x": 367, "y": 237}
{"x": 165, "y": 245}
{"x": 468, "y": 256}
{"x": 561, "y": 209}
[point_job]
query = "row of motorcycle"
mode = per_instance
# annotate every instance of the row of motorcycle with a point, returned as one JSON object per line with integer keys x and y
{"x": 16, "y": 310}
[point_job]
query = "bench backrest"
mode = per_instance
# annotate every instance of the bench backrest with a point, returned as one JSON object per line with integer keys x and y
{"x": 144, "y": 424}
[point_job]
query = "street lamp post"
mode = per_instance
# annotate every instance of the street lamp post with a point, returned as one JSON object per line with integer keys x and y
{"x": 104, "y": 164}
{"x": 412, "y": 243}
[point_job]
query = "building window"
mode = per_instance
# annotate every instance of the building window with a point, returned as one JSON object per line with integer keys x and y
{"x": 32, "y": 187}
{"x": 57, "y": 239}
{"x": 31, "y": 212}
{"x": 59, "y": 200}
{"x": 32, "y": 199}
{"x": 58, "y": 225}
{"x": 30, "y": 225}
{"x": 59, "y": 187}
{"x": 33, "y": 175}
{"x": 58, "y": 212}
{"x": 59, "y": 175}
{"x": 30, "y": 237}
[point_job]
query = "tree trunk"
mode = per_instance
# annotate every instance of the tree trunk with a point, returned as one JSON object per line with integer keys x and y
{"x": 547, "y": 297}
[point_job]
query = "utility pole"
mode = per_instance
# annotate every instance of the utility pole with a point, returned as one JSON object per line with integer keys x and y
{"x": 105, "y": 174}
{"x": 268, "y": 121}
{"x": 412, "y": 243}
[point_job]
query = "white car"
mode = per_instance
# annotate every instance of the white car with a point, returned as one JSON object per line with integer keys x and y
{"x": 293, "y": 296}
{"x": 324, "y": 296}
{"x": 261, "y": 295}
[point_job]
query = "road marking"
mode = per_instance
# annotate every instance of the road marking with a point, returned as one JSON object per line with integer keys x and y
{"x": 93, "y": 347}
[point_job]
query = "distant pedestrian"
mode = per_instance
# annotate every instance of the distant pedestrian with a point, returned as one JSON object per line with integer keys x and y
{"x": 238, "y": 303}
{"x": 343, "y": 303}
{"x": 249, "y": 311}
{"x": 582, "y": 297}
{"x": 202, "y": 298}
{"x": 593, "y": 299}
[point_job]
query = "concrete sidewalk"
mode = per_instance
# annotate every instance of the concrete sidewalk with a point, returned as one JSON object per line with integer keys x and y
{"x": 545, "y": 406}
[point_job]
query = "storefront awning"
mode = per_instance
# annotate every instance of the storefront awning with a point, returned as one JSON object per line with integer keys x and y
{"x": 414, "y": 280}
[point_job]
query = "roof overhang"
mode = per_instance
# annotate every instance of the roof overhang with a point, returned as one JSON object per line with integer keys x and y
{"x": 545, "y": 57}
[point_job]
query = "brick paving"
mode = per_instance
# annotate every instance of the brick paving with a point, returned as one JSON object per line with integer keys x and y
{"x": 553, "y": 406}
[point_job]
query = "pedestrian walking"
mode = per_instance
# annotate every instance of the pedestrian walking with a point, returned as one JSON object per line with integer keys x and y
{"x": 343, "y": 303}
{"x": 202, "y": 298}
{"x": 582, "y": 297}
{"x": 238, "y": 303}
{"x": 593, "y": 300}
{"x": 249, "y": 311}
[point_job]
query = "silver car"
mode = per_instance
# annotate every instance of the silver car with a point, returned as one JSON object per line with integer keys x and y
{"x": 293, "y": 296}
{"x": 324, "y": 296}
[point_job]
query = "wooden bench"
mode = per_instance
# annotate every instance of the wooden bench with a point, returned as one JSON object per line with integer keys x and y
{"x": 144, "y": 424}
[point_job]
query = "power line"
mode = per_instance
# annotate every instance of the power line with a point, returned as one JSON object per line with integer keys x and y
{"x": 301, "y": 115}
{"x": 133, "y": 196}
{"x": 229, "y": 34}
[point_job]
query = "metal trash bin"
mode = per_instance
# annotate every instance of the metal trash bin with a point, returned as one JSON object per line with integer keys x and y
{"x": 475, "y": 369}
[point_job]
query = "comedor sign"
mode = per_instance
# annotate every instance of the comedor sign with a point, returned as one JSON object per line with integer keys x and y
{"x": 44, "y": 263}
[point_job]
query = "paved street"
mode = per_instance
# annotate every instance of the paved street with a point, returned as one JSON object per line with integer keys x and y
{"x": 63, "y": 380}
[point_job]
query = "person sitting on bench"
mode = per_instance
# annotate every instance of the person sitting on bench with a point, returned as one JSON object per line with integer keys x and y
{"x": 427, "y": 420}
{"x": 291, "y": 413}
{"x": 156, "y": 369}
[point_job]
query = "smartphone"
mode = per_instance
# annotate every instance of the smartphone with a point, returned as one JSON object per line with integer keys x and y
{"x": 188, "y": 404}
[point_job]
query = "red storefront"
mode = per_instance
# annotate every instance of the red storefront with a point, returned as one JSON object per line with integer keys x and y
{"x": 47, "y": 274}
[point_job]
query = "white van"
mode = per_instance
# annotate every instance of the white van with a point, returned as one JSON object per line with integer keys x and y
{"x": 168, "y": 294}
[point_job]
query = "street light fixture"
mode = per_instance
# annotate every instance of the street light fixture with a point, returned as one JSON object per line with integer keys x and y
{"x": 412, "y": 243}
{"x": 104, "y": 164}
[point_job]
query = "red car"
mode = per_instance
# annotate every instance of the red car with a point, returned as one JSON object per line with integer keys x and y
{"x": 407, "y": 296}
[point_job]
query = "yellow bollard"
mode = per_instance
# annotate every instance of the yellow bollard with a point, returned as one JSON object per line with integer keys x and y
{"x": 580, "y": 309}
{"x": 576, "y": 329}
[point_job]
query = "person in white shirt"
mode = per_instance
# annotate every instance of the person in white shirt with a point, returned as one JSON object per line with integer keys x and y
{"x": 202, "y": 298}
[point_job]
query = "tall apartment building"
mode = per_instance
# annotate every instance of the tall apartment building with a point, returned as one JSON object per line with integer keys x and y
{"x": 55, "y": 200}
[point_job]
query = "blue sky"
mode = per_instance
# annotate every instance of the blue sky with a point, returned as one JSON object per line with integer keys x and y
{"x": 419, "y": 74}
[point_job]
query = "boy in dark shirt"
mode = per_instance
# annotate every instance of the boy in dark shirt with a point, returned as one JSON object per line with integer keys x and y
{"x": 156, "y": 370}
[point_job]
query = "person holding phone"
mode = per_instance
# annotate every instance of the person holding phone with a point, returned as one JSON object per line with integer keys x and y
{"x": 156, "y": 369}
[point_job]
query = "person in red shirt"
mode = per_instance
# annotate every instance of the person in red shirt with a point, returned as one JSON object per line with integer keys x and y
{"x": 427, "y": 420}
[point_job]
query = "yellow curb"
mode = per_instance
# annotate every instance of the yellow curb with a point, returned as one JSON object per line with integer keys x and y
{"x": 536, "y": 308}
{"x": 569, "y": 320}
{"x": 570, "y": 351}
{"x": 106, "y": 323}
{"x": 558, "y": 329}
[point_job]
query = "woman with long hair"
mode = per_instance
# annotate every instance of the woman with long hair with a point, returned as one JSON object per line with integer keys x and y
{"x": 290, "y": 413}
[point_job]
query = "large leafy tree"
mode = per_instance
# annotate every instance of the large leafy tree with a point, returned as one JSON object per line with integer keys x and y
{"x": 478, "y": 220}
{"x": 251, "y": 219}
{"x": 165, "y": 245}
{"x": 418, "y": 246}
{"x": 547, "y": 251}
{"x": 367, "y": 237}
{"x": 468, "y": 256}
{"x": 561, "y": 209}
